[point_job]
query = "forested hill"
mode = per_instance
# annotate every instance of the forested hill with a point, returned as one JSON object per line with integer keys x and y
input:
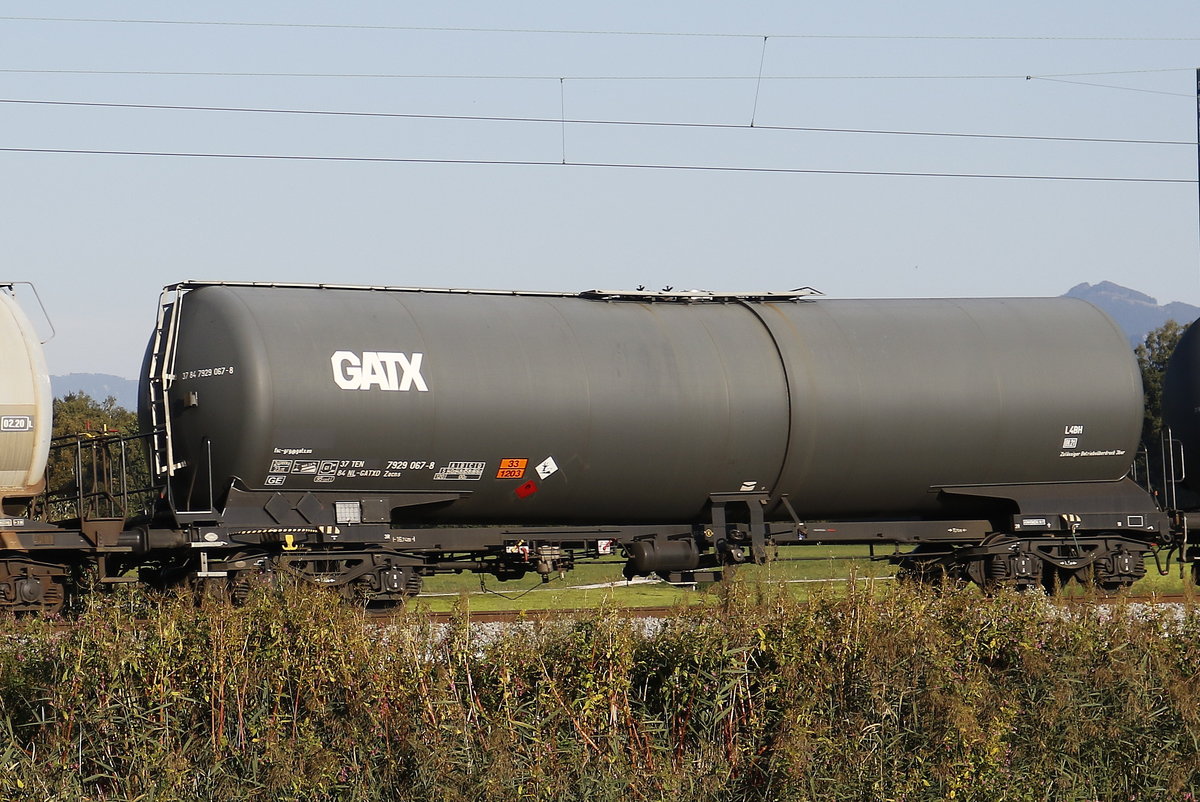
{"x": 1135, "y": 312}
{"x": 97, "y": 385}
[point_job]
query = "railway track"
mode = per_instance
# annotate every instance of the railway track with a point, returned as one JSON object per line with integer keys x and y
{"x": 1151, "y": 598}
{"x": 569, "y": 613}
{"x": 513, "y": 616}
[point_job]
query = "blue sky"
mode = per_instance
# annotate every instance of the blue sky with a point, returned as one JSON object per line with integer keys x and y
{"x": 101, "y": 234}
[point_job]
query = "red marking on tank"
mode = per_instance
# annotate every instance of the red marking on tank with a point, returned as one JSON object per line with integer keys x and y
{"x": 526, "y": 490}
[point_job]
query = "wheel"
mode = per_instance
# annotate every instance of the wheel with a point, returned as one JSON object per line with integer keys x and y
{"x": 1014, "y": 567}
{"x": 931, "y": 569}
{"x": 1118, "y": 568}
{"x": 27, "y": 586}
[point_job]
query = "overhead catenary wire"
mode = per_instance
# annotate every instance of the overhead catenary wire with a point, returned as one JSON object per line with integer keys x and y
{"x": 605, "y": 165}
{"x": 762, "y": 60}
{"x": 758, "y": 79}
{"x": 419, "y": 76}
{"x": 1108, "y": 86}
{"x": 602, "y": 32}
{"x": 563, "y": 120}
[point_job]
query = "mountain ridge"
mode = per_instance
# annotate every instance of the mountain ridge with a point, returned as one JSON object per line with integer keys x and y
{"x": 1135, "y": 312}
{"x": 97, "y": 385}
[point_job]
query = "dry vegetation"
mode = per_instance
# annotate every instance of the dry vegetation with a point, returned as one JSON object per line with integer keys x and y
{"x": 894, "y": 695}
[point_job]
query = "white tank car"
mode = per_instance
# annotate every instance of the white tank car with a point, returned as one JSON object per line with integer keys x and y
{"x": 25, "y": 403}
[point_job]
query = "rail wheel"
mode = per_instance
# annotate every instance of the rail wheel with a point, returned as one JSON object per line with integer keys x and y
{"x": 233, "y": 589}
{"x": 1005, "y": 562}
{"x": 243, "y": 583}
{"x": 27, "y": 586}
{"x": 376, "y": 584}
{"x": 926, "y": 565}
{"x": 1117, "y": 568}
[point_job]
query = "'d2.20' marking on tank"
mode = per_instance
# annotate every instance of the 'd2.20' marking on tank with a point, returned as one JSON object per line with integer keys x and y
{"x": 16, "y": 423}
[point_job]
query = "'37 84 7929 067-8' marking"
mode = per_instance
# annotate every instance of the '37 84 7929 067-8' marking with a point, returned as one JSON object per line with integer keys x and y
{"x": 205, "y": 373}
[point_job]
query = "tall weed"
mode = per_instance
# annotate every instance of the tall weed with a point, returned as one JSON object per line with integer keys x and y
{"x": 897, "y": 695}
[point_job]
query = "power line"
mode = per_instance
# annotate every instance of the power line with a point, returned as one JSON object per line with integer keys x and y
{"x": 1108, "y": 86}
{"x": 528, "y": 77}
{"x": 1113, "y": 72}
{"x": 608, "y": 165}
{"x": 564, "y": 121}
{"x": 585, "y": 32}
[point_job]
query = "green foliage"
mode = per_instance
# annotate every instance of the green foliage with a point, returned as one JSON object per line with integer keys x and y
{"x": 79, "y": 413}
{"x": 95, "y": 450}
{"x": 1152, "y": 356}
{"x": 899, "y": 696}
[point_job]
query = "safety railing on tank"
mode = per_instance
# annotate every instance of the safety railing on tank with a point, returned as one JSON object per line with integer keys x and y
{"x": 96, "y": 475}
{"x": 1160, "y": 471}
{"x": 10, "y": 287}
{"x": 186, "y": 508}
{"x": 1174, "y": 469}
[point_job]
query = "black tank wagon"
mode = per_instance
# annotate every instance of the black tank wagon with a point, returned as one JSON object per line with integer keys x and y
{"x": 364, "y": 437}
{"x": 1181, "y": 417}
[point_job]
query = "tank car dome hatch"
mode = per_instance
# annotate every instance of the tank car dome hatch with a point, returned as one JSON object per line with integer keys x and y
{"x": 25, "y": 404}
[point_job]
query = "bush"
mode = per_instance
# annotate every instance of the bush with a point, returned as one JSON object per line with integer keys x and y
{"x": 899, "y": 696}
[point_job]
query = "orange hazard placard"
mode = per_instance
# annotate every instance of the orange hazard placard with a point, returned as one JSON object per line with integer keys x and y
{"x": 512, "y": 469}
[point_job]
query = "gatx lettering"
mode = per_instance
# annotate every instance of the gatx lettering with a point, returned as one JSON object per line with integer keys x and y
{"x": 383, "y": 369}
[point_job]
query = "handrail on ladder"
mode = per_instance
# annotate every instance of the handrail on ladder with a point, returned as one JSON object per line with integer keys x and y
{"x": 162, "y": 362}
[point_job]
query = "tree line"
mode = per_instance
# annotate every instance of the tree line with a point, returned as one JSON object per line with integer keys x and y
{"x": 96, "y": 459}
{"x": 1153, "y": 354}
